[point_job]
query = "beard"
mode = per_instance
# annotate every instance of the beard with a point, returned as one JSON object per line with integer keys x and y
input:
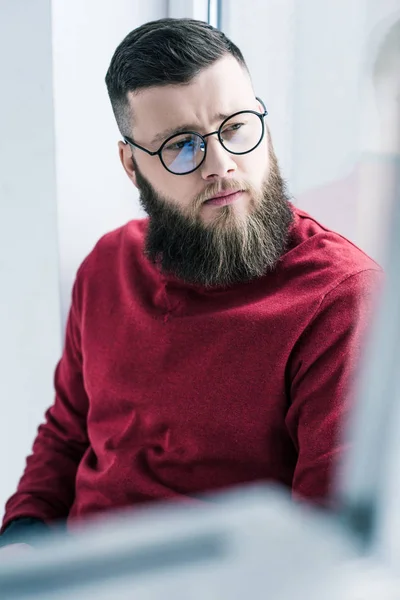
{"x": 231, "y": 248}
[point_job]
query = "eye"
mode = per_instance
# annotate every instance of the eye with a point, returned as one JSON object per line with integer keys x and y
{"x": 232, "y": 128}
{"x": 179, "y": 145}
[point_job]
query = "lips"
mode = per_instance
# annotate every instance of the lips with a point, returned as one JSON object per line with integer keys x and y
{"x": 224, "y": 198}
{"x": 223, "y": 195}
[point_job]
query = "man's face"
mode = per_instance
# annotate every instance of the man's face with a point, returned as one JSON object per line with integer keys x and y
{"x": 191, "y": 235}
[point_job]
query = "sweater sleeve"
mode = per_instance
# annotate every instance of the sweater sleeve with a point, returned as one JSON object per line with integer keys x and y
{"x": 23, "y": 530}
{"x": 322, "y": 367}
{"x": 46, "y": 489}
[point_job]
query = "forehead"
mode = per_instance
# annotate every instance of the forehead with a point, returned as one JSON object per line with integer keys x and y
{"x": 223, "y": 88}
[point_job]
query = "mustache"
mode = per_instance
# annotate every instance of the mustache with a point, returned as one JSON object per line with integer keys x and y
{"x": 226, "y": 185}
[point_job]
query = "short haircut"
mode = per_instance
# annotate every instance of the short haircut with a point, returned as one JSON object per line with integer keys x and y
{"x": 163, "y": 52}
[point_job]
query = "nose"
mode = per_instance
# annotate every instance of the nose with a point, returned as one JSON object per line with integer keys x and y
{"x": 218, "y": 162}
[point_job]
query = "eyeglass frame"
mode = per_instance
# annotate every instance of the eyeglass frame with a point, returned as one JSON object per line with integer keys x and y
{"x": 158, "y": 152}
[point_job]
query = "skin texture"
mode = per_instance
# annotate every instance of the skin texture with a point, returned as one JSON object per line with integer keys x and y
{"x": 225, "y": 87}
{"x": 199, "y": 242}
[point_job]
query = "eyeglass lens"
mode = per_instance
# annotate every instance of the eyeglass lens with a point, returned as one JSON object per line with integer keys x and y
{"x": 185, "y": 152}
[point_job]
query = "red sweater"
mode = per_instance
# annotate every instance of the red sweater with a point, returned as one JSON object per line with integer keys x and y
{"x": 166, "y": 390}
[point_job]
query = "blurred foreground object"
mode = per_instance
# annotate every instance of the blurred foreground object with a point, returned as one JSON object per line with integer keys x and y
{"x": 255, "y": 543}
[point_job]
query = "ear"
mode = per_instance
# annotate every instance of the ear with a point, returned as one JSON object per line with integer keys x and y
{"x": 125, "y": 155}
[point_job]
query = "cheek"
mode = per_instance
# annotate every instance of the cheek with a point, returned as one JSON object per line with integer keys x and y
{"x": 178, "y": 190}
{"x": 155, "y": 173}
{"x": 182, "y": 190}
{"x": 255, "y": 166}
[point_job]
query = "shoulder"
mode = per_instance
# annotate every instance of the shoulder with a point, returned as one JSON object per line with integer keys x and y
{"x": 112, "y": 247}
{"x": 323, "y": 259}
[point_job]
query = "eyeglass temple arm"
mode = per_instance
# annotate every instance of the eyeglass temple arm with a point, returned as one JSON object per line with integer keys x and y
{"x": 264, "y": 114}
{"x": 129, "y": 141}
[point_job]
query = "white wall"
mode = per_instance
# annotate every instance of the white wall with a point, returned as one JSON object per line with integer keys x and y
{"x": 188, "y": 9}
{"x": 30, "y": 334}
{"x": 265, "y": 35}
{"x": 380, "y": 127}
{"x": 93, "y": 193}
{"x": 326, "y": 107}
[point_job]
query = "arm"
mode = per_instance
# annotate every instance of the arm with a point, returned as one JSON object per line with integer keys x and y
{"x": 47, "y": 488}
{"x": 321, "y": 372}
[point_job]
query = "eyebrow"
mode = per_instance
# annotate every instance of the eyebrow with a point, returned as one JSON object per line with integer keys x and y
{"x": 161, "y": 137}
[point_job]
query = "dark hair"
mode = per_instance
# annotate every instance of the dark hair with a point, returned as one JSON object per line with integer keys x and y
{"x": 162, "y": 52}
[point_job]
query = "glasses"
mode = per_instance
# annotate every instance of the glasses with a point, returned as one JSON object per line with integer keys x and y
{"x": 183, "y": 153}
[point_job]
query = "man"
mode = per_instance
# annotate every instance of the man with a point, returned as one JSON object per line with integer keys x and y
{"x": 212, "y": 344}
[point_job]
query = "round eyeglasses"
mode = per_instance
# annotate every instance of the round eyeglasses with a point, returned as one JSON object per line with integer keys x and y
{"x": 183, "y": 153}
